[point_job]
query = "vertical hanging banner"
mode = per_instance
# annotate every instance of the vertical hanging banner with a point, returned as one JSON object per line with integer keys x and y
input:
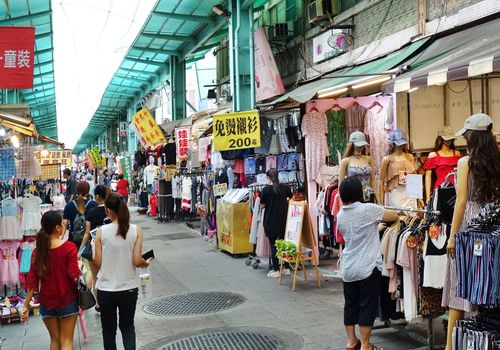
{"x": 95, "y": 157}
{"x": 149, "y": 132}
{"x": 17, "y": 51}
{"x": 182, "y": 136}
{"x": 237, "y": 130}
{"x": 268, "y": 81}
{"x": 126, "y": 165}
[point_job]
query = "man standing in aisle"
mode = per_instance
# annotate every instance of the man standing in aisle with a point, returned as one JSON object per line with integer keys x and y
{"x": 69, "y": 195}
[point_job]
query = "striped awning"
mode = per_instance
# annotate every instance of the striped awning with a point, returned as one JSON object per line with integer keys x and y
{"x": 469, "y": 53}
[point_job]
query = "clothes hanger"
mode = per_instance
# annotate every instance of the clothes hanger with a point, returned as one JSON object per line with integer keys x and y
{"x": 374, "y": 104}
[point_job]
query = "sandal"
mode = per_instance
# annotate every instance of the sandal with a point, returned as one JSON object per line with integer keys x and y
{"x": 356, "y": 347}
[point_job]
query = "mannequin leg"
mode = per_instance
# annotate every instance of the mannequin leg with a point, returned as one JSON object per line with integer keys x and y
{"x": 453, "y": 316}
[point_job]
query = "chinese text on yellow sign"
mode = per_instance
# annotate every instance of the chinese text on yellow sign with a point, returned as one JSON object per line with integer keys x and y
{"x": 63, "y": 157}
{"x": 145, "y": 124}
{"x": 236, "y": 130}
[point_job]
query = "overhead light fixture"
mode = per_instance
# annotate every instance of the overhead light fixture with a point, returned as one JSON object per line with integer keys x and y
{"x": 379, "y": 80}
{"x": 220, "y": 10}
{"x": 44, "y": 153}
{"x": 413, "y": 89}
{"x": 15, "y": 141}
{"x": 331, "y": 93}
{"x": 2, "y": 132}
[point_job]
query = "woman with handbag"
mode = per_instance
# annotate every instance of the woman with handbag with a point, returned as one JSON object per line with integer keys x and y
{"x": 118, "y": 249}
{"x": 54, "y": 272}
{"x": 95, "y": 218}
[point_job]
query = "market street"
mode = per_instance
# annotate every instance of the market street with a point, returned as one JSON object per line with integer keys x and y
{"x": 309, "y": 318}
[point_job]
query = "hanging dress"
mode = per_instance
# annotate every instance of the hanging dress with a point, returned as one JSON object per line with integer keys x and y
{"x": 314, "y": 128}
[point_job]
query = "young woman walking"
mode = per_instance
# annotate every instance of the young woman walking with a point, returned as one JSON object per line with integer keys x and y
{"x": 54, "y": 273}
{"x": 118, "y": 249}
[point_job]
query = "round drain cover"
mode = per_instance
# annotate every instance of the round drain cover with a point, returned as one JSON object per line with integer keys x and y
{"x": 193, "y": 303}
{"x": 231, "y": 339}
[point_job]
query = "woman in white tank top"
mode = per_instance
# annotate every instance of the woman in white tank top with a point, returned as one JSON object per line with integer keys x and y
{"x": 118, "y": 249}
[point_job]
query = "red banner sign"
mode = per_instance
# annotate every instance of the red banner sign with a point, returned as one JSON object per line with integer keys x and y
{"x": 17, "y": 54}
{"x": 182, "y": 142}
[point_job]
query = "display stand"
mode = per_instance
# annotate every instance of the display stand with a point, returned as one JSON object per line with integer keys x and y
{"x": 300, "y": 232}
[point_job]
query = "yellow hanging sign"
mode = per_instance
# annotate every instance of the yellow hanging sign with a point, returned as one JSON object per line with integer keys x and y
{"x": 63, "y": 157}
{"x": 237, "y": 130}
{"x": 149, "y": 131}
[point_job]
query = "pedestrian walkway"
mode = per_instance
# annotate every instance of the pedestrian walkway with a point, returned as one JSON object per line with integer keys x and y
{"x": 308, "y": 318}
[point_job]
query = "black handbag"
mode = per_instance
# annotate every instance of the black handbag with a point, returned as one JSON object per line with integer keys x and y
{"x": 87, "y": 251}
{"x": 86, "y": 299}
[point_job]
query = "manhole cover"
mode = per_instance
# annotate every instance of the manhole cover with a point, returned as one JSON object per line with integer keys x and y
{"x": 194, "y": 303}
{"x": 231, "y": 338}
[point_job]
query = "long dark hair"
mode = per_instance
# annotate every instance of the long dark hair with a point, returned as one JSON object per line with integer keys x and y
{"x": 115, "y": 203}
{"x": 82, "y": 191}
{"x": 273, "y": 176}
{"x": 484, "y": 164}
{"x": 49, "y": 222}
{"x": 393, "y": 146}
{"x": 350, "y": 150}
{"x": 439, "y": 144}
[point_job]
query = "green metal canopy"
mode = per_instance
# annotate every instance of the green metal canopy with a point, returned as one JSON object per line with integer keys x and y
{"x": 41, "y": 99}
{"x": 347, "y": 75}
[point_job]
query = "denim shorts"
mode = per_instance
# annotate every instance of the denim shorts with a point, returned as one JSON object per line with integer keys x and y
{"x": 71, "y": 309}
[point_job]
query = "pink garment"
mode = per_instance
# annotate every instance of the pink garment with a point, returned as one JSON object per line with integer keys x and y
{"x": 270, "y": 162}
{"x": 262, "y": 249}
{"x": 337, "y": 204}
{"x": 239, "y": 166}
{"x": 378, "y": 136}
{"x": 9, "y": 266}
{"x": 407, "y": 258}
{"x": 314, "y": 129}
{"x": 391, "y": 265}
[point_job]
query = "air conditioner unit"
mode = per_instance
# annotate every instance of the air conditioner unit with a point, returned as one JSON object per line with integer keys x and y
{"x": 278, "y": 31}
{"x": 321, "y": 9}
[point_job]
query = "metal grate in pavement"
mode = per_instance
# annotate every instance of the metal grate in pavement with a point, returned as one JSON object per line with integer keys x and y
{"x": 232, "y": 339}
{"x": 193, "y": 303}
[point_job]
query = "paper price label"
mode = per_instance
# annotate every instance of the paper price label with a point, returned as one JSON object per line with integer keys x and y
{"x": 220, "y": 189}
{"x": 478, "y": 248}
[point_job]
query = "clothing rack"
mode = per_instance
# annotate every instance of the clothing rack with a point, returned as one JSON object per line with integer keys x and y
{"x": 412, "y": 210}
{"x": 429, "y": 340}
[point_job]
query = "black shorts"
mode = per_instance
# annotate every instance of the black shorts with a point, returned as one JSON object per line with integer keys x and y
{"x": 361, "y": 300}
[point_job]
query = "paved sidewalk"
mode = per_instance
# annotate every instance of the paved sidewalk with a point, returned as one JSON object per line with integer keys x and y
{"x": 184, "y": 263}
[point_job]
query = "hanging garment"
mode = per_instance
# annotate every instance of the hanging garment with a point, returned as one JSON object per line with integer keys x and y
{"x": 9, "y": 266}
{"x": 8, "y": 168}
{"x": 266, "y": 135}
{"x": 27, "y": 250}
{"x": 254, "y": 228}
{"x": 378, "y": 136}
{"x": 9, "y": 221}
{"x": 336, "y": 134}
{"x": 30, "y": 222}
{"x": 262, "y": 249}
{"x": 25, "y": 155}
{"x": 314, "y": 129}
{"x": 355, "y": 118}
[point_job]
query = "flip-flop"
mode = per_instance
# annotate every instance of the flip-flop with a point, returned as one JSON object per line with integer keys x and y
{"x": 356, "y": 347}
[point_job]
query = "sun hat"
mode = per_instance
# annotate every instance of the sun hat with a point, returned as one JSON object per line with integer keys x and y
{"x": 358, "y": 139}
{"x": 398, "y": 137}
{"x": 446, "y": 133}
{"x": 476, "y": 122}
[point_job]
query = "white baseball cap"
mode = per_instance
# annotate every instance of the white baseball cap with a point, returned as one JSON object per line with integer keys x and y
{"x": 358, "y": 139}
{"x": 477, "y": 122}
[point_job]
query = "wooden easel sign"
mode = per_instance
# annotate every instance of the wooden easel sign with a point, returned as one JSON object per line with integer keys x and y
{"x": 299, "y": 231}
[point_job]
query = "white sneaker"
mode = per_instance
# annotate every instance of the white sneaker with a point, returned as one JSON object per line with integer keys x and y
{"x": 286, "y": 272}
{"x": 273, "y": 274}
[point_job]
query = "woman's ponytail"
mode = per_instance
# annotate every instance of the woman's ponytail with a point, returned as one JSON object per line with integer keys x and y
{"x": 115, "y": 203}
{"x": 49, "y": 222}
{"x": 272, "y": 174}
